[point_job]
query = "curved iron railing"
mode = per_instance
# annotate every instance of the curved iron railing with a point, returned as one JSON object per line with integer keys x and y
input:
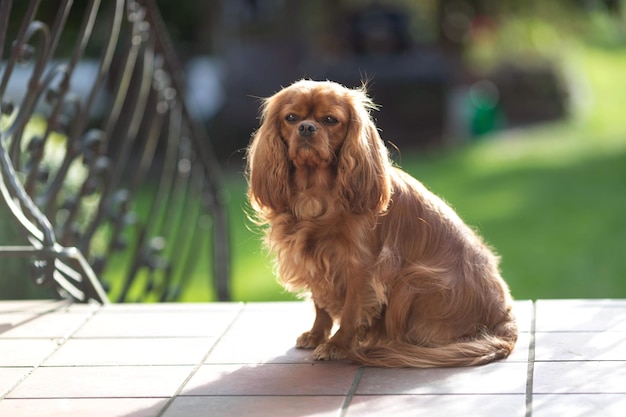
{"x": 101, "y": 163}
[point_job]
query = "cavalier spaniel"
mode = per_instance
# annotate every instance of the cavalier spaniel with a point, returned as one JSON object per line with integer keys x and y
{"x": 406, "y": 281}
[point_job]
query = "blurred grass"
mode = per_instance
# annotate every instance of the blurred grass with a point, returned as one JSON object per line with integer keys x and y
{"x": 550, "y": 199}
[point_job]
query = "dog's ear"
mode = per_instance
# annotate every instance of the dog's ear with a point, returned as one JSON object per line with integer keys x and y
{"x": 268, "y": 162}
{"x": 363, "y": 163}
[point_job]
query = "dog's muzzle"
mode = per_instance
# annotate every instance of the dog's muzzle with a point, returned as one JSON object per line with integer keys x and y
{"x": 306, "y": 129}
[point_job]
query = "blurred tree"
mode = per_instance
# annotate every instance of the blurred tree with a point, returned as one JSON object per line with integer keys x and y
{"x": 189, "y": 23}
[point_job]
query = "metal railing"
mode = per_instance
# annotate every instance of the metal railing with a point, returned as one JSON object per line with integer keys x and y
{"x": 113, "y": 184}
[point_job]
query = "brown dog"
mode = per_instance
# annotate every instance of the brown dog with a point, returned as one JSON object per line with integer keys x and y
{"x": 409, "y": 284}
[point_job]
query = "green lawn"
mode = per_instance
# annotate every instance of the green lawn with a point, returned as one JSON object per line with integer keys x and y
{"x": 550, "y": 199}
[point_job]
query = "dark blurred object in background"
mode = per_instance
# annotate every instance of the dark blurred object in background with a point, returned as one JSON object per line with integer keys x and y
{"x": 410, "y": 54}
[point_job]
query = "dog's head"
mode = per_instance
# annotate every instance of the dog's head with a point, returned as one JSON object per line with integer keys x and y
{"x": 313, "y": 121}
{"x": 318, "y": 128}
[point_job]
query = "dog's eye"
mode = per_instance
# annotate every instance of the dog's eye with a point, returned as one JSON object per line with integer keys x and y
{"x": 329, "y": 120}
{"x": 291, "y": 117}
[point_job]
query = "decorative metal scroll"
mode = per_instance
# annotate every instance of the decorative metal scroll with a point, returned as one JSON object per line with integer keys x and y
{"x": 113, "y": 184}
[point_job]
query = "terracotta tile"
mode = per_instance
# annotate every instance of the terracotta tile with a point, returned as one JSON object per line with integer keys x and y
{"x": 57, "y": 324}
{"x": 272, "y": 379}
{"x": 281, "y": 306}
{"x": 148, "y": 351}
{"x": 249, "y": 350}
{"x": 497, "y": 378}
{"x": 258, "y": 406}
{"x": 75, "y": 407}
{"x": 157, "y": 324}
{"x": 87, "y": 382}
{"x": 30, "y": 306}
{"x": 281, "y": 319}
{"x": 581, "y": 315}
{"x": 579, "y": 377}
{"x": 581, "y": 405}
{"x": 266, "y": 332}
{"x": 8, "y": 322}
{"x": 437, "y": 405}
{"x": 580, "y": 348}
{"x": 25, "y": 352}
{"x": 10, "y": 377}
{"x": 523, "y": 310}
{"x": 90, "y": 307}
{"x": 520, "y": 353}
{"x": 140, "y": 308}
{"x": 607, "y": 346}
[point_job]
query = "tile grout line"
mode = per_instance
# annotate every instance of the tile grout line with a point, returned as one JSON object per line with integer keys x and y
{"x": 531, "y": 362}
{"x": 196, "y": 368}
{"x": 350, "y": 395}
{"x": 60, "y": 341}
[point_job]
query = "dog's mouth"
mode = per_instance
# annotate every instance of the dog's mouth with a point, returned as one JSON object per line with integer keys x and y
{"x": 306, "y": 155}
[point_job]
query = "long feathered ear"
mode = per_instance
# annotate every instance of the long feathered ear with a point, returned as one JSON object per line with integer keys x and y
{"x": 267, "y": 163}
{"x": 363, "y": 165}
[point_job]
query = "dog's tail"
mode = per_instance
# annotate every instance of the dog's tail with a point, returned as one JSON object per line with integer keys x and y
{"x": 397, "y": 354}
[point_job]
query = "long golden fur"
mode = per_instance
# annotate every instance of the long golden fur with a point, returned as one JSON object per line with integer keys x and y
{"x": 408, "y": 283}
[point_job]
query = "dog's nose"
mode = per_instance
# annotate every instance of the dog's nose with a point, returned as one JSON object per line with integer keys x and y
{"x": 307, "y": 129}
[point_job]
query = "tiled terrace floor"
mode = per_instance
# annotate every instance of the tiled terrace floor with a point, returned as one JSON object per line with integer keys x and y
{"x": 239, "y": 360}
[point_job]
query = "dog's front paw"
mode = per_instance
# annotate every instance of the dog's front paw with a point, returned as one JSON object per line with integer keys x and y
{"x": 329, "y": 352}
{"x": 310, "y": 340}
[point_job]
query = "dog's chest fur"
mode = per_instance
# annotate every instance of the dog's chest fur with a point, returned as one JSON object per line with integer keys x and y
{"x": 318, "y": 245}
